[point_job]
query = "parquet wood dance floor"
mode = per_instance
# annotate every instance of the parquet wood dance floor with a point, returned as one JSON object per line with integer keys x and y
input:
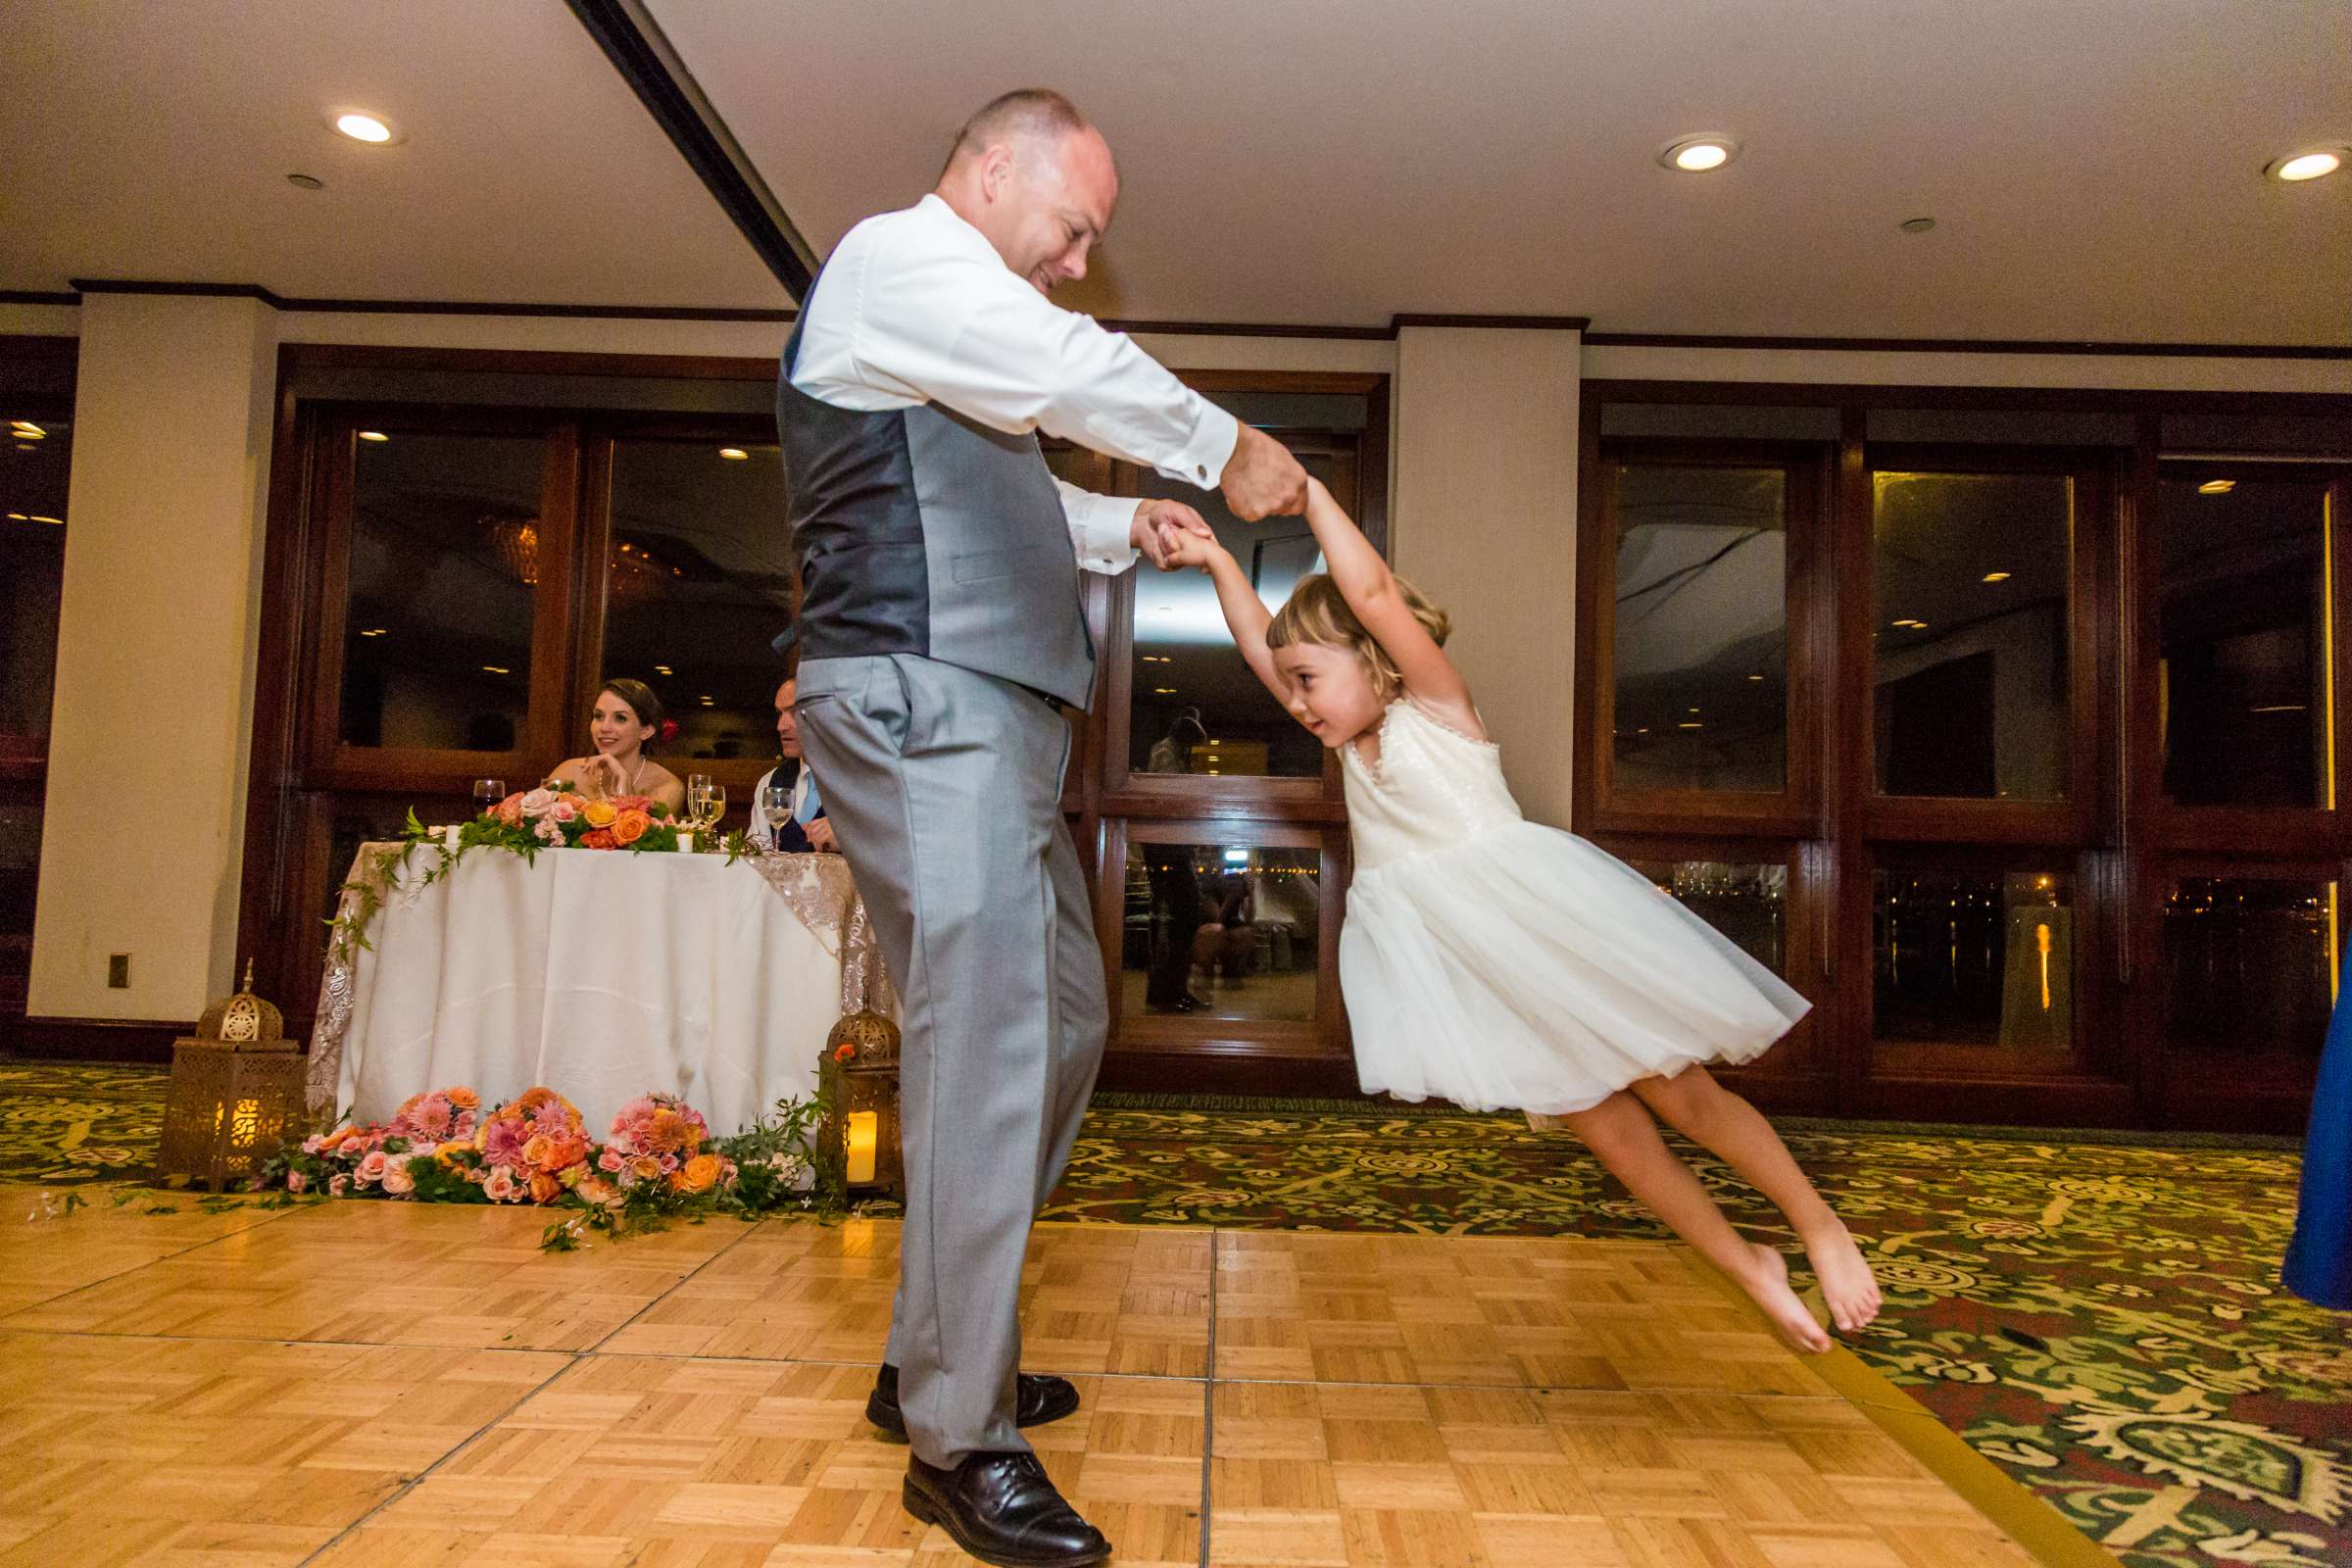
{"x": 383, "y": 1384}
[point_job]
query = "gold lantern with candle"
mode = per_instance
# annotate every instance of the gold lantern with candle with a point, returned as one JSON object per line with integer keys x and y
{"x": 857, "y": 1147}
{"x": 236, "y": 1096}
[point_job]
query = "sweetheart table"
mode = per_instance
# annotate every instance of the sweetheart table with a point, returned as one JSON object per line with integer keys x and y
{"x": 601, "y": 974}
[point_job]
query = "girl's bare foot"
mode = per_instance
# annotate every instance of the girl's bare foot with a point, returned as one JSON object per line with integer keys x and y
{"x": 1769, "y": 1285}
{"x": 1848, "y": 1287}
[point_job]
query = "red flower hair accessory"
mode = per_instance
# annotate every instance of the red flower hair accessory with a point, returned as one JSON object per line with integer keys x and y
{"x": 670, "y": 729}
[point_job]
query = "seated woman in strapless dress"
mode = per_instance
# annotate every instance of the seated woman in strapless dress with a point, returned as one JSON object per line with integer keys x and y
{"x": 626, "y": 716}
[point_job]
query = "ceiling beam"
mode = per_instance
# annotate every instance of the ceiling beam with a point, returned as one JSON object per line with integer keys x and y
{"x": 634, "y": 42}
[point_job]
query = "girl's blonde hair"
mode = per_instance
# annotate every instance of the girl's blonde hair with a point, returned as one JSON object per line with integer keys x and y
{"x": 1318, "y": 613}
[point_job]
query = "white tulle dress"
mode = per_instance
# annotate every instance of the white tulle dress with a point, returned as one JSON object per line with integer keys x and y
{"x": 1502, "y": 965}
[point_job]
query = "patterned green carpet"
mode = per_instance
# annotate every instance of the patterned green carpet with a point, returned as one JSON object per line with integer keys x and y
{"x": 2099, "y": 1316}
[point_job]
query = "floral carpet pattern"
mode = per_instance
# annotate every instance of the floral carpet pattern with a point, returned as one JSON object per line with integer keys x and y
{"x": 2099, "y": 1315}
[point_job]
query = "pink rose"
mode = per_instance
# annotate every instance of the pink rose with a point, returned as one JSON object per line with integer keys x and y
{"x": 337, "y": 1184}
{"x": 537, "y": 802}
{"x": 397, "y": 1179}
{"x": 498, "y": 1186}
{"x": 609, "y": 1160}
{"x": 418, "y": 1148}
{"x": 371, "y": 1169}
{"x": 296, "y": 1181}
{"x": 566, "y": 809}
{"x": 313, "y": 1143}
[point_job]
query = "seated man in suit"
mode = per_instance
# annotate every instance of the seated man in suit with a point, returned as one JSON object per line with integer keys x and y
{"x": 808, "y": 831}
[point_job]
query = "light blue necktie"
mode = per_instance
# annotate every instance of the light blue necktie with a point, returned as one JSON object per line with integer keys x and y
{"x": 809, "y": 805}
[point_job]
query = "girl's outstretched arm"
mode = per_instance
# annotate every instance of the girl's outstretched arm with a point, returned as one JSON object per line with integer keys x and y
{"x": 1371, "y": 589}
{"x": 1244, "y": 613}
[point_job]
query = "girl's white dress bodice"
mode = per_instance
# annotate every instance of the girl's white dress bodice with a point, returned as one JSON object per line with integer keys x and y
{"x": 1501, "y": 963}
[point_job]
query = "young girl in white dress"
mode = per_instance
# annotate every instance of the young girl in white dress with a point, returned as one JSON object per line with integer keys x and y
{"x": 1501, "y": 963}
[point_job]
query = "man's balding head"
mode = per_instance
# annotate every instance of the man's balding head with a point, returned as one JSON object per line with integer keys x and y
{"x": 1032, "y": 174}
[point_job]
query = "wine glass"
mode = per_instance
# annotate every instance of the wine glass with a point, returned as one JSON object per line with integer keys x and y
{"x": 715, "y": 801}
{"x": 775, "y": 804}
{"x": 488, "y": 792}
{"x": 698, "y": 800}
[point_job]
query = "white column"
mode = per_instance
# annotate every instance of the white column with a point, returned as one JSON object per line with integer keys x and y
{"x": 1485, "y": 523}
{"x": 143, "y": 833}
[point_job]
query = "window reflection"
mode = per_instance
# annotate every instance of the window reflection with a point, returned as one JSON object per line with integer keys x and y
{"x": 1745, "y": 902}
{"x": 1196, "y": 707}
{"x": 1973, "y": 958}
{"x": 2244, "y": 614}
{"x": 1701, "y": 661}
{"x": 2251, "y": 964}
{"x": 1221, "y": 931}
{"x": 445, "y": 547}
{"x": 34, "y": 470}
{"x": 1971, "y": 597}
{"x": 697, "y": 587}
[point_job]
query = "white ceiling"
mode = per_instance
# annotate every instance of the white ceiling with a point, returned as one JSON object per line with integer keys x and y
{"x": 152, "y": 139}
{"x": 2093, "y": 165}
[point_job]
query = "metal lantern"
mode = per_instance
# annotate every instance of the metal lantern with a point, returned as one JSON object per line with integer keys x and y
{"x": 236, "y": 1096}
{"x": 857, "y": 1147}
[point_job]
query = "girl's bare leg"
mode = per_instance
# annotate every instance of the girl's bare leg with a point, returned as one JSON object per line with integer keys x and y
{"x": 1710, "y": 1115}
{"x": 1620, "y": 1132}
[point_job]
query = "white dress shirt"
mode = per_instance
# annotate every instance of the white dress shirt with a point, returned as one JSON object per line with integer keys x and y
{"x": 916, "y": 306}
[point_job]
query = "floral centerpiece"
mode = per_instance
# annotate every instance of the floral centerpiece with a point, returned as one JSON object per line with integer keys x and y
{"x": 658, "y": 1161}
{"x": 558, "y": 816}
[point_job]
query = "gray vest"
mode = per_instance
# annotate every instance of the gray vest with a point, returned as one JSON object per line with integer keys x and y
{"x": 920, "y": 531}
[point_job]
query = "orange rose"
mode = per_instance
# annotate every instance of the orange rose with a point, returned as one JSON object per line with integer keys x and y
{"x": 599, "y": 814}
{"x": 508, "y": 810}
{"x": 629, "y": 826}
{"x": 646, "y": 1167}
{"x": 544, "y": 1188}
{"x": 601, "y": 1193}
{"x": 600, "y": 838}
{"x": 698, "y": 1175}
{"x": 536, "y": 1150}
{"x": 463, "y": 1099}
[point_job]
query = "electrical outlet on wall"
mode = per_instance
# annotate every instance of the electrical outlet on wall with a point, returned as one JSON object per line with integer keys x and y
{"x": 117, "y": 971}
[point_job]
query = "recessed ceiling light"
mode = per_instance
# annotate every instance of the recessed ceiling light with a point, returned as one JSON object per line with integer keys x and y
{"x": 2312, "y": 163}
{"x": 1695, "y": 155}
{"x": 736, "y": 453}
{"x": 1163, "y": 691}
{"x": 2217, "y": 487}
{"x": 498, "y": 669}
{"x": 17, "y": 516}
{"x": 60, "y": 521}
{"x": 664, "y": 669}
{"x": 26, "y": 427}
{"x": 374, "y": 435}
{"x": 1755, "y": 677}
{"x": 1997, "y": 576}
{"x": 364, "y": 128}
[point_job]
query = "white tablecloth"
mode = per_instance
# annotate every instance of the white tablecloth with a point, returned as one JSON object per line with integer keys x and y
{"x": 602, "y": 975}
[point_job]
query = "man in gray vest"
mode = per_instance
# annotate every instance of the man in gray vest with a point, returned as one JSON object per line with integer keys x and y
{"x": 942, "y": 637}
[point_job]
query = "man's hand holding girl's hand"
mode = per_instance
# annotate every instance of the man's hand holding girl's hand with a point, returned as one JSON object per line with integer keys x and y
{"x": 1160, "y": 525}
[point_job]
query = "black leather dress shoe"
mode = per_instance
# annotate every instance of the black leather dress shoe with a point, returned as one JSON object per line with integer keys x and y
{"x": 1003, "y": 1509}
{"x": 1040, "y": 1398}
